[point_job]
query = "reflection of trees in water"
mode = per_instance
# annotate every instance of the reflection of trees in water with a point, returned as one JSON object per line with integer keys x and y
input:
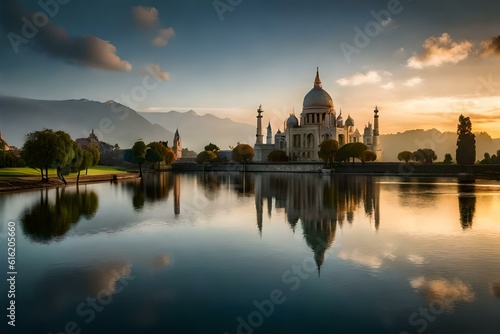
{"x": 466, "y": 204}
{"x": 51, "y": 219}
{"x": 152, "y": 187}
{"x": 212, "y": 182}
{"x": 414, "y": 192}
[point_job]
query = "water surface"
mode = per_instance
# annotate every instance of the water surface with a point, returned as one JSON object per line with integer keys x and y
{"x": 257, "y": 253}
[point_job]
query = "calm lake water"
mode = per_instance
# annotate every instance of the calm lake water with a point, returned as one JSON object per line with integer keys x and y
{"x": 256, "y": 253}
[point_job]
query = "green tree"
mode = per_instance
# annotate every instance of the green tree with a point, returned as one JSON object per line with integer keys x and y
{"x": 242, "y": 153}
{"x": 48, "y": 149}
{"x": 9, "y": 159}
{"x": 139, "y": 154}
{"x": 327, "y": 151}
{"x": 466, "y": 142}
{"x": 170, "y": 156}
{"x": 205, "y": 156}
{"x": 160, "y": 148}
{"x": 212, "y": 147}
{"x": 344, "y": 153}
{"x": 357, "y": 151}
{"x": 277, "y": 156}
{"x": 447, "y": 159}
{"x": 405, "y": 156}
{"x": 369, "y": 156}
{"x": 153, "y": 156}
{"x": 425, "y": 156}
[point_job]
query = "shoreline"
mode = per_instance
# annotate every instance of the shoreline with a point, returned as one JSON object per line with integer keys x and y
{"x": 28, "y": 183}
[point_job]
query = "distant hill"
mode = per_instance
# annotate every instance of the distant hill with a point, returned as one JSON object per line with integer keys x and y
{"x": 440, "y": 142}
{"x": 112, "y": 122}
{"x": 199, "y": 130}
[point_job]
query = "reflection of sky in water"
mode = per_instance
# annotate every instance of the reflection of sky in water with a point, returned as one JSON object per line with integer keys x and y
{"x": 202, "y": 248}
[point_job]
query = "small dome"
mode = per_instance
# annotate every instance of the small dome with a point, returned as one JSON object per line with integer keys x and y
{"x": 292, "y": 122}
{"x": 349, "y": 121}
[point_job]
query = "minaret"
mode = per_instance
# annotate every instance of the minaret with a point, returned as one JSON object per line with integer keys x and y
{"x": 269, "y": 138}
{"x": 259, "y": 126}
{"x": 376, "y": 139}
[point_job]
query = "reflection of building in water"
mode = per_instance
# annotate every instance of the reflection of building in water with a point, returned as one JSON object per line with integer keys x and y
{"x": 319, "y": 203}
{"x": 177, "y": 194}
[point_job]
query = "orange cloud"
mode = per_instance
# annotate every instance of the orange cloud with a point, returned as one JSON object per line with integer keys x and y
{"x": 440, "y": 50}
{"x": 491, "y": 47}
{"x": 444, "y": 291}
{"x": 360, "y": 79}
{"x": 145, "y": 17}
{"x": 156, "y": 71}
{"x": 163, "y": 37}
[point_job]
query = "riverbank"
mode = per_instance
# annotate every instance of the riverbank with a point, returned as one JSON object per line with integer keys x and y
{"x": 9, "y": 184}
{"x": 372, "y": 168}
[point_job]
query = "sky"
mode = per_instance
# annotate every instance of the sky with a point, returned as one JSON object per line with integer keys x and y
{"x": 422, "y": 62}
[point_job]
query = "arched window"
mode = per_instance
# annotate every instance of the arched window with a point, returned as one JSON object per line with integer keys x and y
{"x": 310, "y": 140}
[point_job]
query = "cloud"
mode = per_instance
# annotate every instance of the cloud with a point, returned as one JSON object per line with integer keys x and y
{"x": 145, "y": 18}
{"x": 360, "y": 78}
{"x": 388, "y": 86}
{"x": 53, "y": 40}
{"x": 443, "y": 291}
{"x": 153, "y": 69}
{"x": 370, "y": 261}
{"x": 413, "y": 82}
{"x": 495, "y": 289}
{"x": 415, "y": 259}
{"x": 163, "y": 37}
{"x": 440, "y": 50}
{"x": 491, "y": 47}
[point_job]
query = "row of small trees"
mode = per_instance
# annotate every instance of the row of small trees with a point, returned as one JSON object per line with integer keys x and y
{"x": 47, "y": 149}
{"x": 242, "y": 153}
{"x": 329, "y": 152}
{"x": 422, "y": 155}
{"x": 154, "y": 152}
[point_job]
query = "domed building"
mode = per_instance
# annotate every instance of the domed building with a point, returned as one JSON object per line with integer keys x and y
{"x": 318, "y": 122}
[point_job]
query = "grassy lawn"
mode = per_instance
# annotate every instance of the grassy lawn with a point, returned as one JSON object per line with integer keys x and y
{"x": 25, "y": 171}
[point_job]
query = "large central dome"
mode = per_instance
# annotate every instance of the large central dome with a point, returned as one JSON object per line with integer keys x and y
{"x": 317, "y": 97}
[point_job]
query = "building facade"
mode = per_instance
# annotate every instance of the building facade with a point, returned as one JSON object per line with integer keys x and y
{"x": 317, "y": 122}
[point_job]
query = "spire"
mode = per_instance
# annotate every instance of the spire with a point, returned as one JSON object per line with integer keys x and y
{"x": 269, "y": 125}
{"x": 317, "y": 81}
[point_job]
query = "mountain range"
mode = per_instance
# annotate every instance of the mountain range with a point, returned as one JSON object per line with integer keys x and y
{"x": 111, "y": 122}
{"x": 118, "y": 124}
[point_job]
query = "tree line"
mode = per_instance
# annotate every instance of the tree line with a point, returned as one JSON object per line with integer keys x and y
{"x": 155, "y": 153}
{"x": 47, "y": 149}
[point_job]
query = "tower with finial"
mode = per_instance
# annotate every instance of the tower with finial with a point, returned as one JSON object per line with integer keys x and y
{"x": 269, "y": 137}
{"x": 177, "y": 147}
{"x": 376, "y": 135}
{"x": 259, "y": 136}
